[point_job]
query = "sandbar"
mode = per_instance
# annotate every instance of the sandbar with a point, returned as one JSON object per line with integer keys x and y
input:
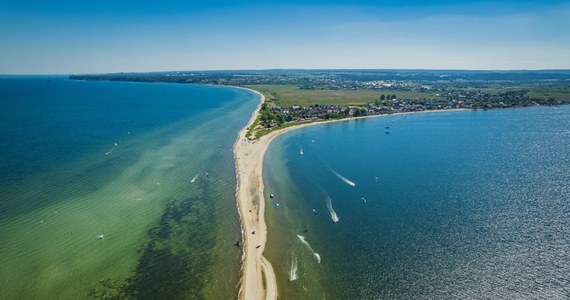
{"x": 258, "y": 279}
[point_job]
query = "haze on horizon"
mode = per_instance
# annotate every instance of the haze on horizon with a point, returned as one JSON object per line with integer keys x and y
{"x": 63, "y": 37}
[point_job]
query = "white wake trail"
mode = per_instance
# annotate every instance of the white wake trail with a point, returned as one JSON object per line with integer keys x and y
{"x": 316, "y": 255}
{"x": 334, "y": 216}
{"x": 293, "y": 271}
{"x": 346, "y": 180}
{"x": 111, "y": 151}
{"x": 194, "y": 179}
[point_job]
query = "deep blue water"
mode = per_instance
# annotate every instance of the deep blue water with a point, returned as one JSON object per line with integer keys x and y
{"x": 472, "y": 204}
{"x": 45, "y": 121}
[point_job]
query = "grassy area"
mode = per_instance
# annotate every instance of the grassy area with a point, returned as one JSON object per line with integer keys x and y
{"x": 263, "y": 132}
{"x": 558, "y": 92}
{"x": 253, "y": 127}
{"x": 288, "y": 95}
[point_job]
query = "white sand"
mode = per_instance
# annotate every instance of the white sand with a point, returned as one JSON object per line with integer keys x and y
{"x": 258, "y": 278}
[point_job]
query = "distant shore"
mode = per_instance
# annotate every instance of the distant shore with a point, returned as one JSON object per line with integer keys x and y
{"x": 258, "y": 279}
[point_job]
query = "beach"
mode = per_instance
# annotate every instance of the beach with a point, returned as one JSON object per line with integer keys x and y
{"x": 258, "y": 279}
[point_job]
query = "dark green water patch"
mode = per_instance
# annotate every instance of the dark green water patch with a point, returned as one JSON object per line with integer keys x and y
{"x": 173, "y": 262}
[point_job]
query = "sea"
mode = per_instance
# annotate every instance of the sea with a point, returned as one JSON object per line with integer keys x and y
{"x": 127, "y": 190}
{"x": 468, "y": 204}
{"x": 118, "y": 190}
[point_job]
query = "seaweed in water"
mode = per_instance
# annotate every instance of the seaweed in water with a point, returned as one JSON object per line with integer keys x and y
{"x": 171, "y": 265}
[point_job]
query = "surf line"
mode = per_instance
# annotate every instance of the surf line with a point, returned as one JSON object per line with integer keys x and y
{"x": 316, "y": 255}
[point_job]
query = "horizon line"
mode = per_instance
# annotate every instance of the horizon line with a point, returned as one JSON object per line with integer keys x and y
{"x": 287, "y": 69}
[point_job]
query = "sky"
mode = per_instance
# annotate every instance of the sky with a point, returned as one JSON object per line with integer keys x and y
{"x": 100, "y": 36}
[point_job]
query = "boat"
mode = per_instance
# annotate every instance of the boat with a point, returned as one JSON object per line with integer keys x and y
{"x": 271, "y": 196}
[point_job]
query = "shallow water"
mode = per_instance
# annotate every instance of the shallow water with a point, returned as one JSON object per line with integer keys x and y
{"x": 97, "y": 197}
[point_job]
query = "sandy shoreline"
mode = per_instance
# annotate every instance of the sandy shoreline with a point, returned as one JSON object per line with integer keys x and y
{"x": 258, "y": 279}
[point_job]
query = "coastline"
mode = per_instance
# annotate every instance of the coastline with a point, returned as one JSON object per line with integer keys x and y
{"x": 258, "y": 279}
{"x": 257, "y": 276}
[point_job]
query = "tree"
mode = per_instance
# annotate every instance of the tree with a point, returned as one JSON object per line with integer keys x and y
{"x": 382, "y": 97}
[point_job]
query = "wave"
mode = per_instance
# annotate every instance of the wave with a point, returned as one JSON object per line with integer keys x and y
{"x": 316, "y": 255}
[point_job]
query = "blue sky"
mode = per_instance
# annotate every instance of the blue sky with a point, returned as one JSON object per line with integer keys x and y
{"x": 62, "y": 37}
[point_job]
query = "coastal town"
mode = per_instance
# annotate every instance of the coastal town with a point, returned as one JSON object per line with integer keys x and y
{"x": 273, "y": 116}
{"x": 301, "y": 96}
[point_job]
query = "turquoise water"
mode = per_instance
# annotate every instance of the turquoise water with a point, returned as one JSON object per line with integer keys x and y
{"x": 471, "y": 204}
{"x": 104, "y": 190}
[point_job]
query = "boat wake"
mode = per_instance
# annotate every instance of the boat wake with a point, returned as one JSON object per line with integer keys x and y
{"x": 316, "y": 255}
{"x": 194, "y": 179}
{"x": 111, "y": 151}
{"x": 333, "y": 214}
{"x": 293, "y": 271}
{"x": 346, "y": 180}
